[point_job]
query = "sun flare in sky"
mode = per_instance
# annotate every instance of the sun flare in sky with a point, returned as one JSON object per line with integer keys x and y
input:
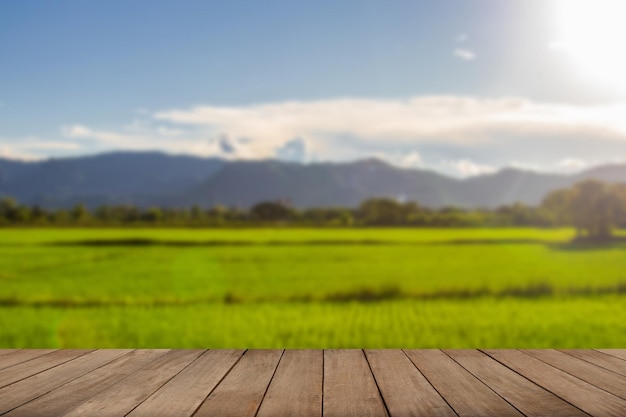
{"x": 594, "y": 34}
{"x": 456, "y": 87}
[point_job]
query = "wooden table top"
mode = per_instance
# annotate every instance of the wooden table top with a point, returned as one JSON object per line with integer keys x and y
{"x": 302, "y": 383}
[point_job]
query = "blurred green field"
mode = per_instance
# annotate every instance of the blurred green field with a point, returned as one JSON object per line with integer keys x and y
{"x": 285, "y": 235}
{"x": 484, "y": 322}
{"x": 374, "y": 288}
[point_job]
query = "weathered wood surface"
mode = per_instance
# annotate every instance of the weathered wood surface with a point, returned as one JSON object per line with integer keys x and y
{"x": 312, "y": 383}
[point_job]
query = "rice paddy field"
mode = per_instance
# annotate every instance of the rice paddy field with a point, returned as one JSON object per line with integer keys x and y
{"x": 317, "y": 288}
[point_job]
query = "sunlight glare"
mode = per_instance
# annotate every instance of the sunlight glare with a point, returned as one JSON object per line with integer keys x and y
{"x": 594, "y": 33}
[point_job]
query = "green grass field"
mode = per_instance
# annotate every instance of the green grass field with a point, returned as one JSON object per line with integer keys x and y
{"x": 375, "y": 288}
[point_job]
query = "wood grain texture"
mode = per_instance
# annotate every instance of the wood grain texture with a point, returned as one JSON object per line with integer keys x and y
{"x": 241, "y": 392}
{"x": 581, "y": 394}
{"x": 312, "y": 383}
{"x": 594, "y": 374}
{"x": 618, "y": 353}
{"x": 34, "y": 366}
{"x": 296, "y": 389}
{"x": 5, "y": 351}
{"x": 527, "y": 397}
{"x": 37, "y": 385}
{"x": 609, "y": 362}
{"x": 349, "y": 386}
{"x": 19, "y": 356}
{"x": 404, "y": 388}
{"x": 463, "y": 391}
{"x": 184, "y": 393}
{"x": 72, "y": 394}
{"x": 128, "y": 393}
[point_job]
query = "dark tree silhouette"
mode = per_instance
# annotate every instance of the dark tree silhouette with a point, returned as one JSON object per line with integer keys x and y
{"x": 596, "y": 208}
{"x": 272, "y": 211}
{"x": 558, "y": 203}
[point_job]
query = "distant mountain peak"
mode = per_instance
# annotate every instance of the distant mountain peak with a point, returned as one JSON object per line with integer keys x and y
{"x": 160, "y": 179}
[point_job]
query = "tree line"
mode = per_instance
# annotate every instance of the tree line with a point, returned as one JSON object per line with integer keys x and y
{"x": 595, "y": 208}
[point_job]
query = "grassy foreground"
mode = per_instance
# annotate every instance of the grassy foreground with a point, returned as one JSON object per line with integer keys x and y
{"x": 486, "y": 323}
{"x": 371, "y": 288}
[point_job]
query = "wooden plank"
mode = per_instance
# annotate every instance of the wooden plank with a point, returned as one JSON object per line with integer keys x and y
{"x": 76, "y": 392}
{"x": 618, "y": 353}
{"x": 405, "y": 390}
{"x": 37, "y": 385}
{"x": 349, "y": 386}
{"x": 13, "y": 374}
{"x": 527, "y": 397}
{"x": 128, "y": 393}
{"x": 5, "y": 351}
{"x": 581, "y": 394}
{"x": 462, "y": 390}
{"x": 609, "y": 362}
{"x": 19, "y": 356}
{"x": 296, "y": 389}
{"x": 184, "y": 393}
{"x": 239, "y": 395}
{"x": 309, "y": 382}
{"x": 600, "y": 377}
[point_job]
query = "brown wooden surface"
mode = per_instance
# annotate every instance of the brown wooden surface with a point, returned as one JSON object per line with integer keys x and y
{"x": 601, "y": 359}
{"x": 342, "y": 383}
{"x": 37, "y": 365}
{"x": 524, "y": 395}
{"x": 123, "y": 397}
{"x": 404, "y": 388}
{"x": 62, "y": 400}
{"x": 28, "y": 389}
{"x": 343, "y": 397}
{"x": 618, "y": 353}
{"x": 14, "y": 357}
{"x": 241, "y": 392}
{"x": 184, "y": 393}
{"x": 296, "y": 389}
{"x": 463, "y": 391}
{"x": 577, "y": 392}
{"x": 586, "y": 371}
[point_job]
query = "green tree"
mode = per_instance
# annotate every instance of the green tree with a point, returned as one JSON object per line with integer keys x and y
{"x": 272, "y": 211}
{"x": 558, "y": 204}
{"x": 38, "y": 214}
{"x": 382, "y": 211}
{"x": 620, "y": 190}
{"x": 80, "y": 213}
{"x": 8, "y": 209}
{"x": 197, "y": 214}
{"x": 22, "y": 214}
{"x": 153, "y": 215}
{"x": 105, "y": 214}
{"x": 596, "y": 208}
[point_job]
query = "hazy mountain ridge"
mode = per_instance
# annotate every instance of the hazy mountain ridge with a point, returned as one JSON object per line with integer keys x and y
{"x": 152, "y": 178}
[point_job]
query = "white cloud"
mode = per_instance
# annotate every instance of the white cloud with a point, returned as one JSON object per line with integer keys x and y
{"x": 464, "y": 54}
{"x": 143, "y": 136}
{"x": 293, "y": 150}
{"x": 32, "y": 149}
{"x": 452, "y": 128}
{"x": 411, "y": 160}
{"x": 461, "y": 37}
{"x": 448, "y": 119}
{"x": 524, "y": 166}
{"x": 572, "y": 164}
{"x": 82, "y": 132}
{"x": 467, "y": 168}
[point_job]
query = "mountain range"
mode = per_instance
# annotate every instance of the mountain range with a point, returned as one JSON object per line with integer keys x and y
{"x": 156, "y": 179}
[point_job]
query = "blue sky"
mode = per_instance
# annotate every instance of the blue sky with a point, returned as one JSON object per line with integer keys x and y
{"x": 459, "y": 86}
